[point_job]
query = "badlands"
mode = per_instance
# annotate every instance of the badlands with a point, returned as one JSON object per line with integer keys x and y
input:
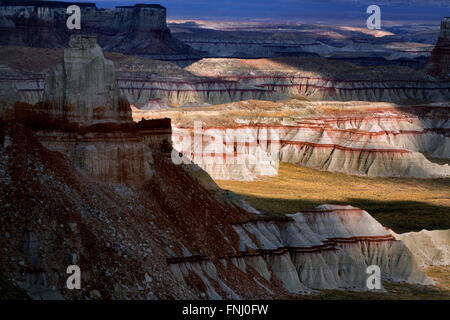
{"x": 87, "y": 147}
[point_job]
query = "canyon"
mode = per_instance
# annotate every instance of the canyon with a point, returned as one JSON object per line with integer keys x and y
{"x": 114, "y": 141}
{"x": 399, "y": 45}
{"x": 98, "y": 190}
{"x": 217, "y": 81}
{"x": 139, "y": 29}
{"x": 140, "y": 33}
{"x": 363, "y": 138}
{"x": 371, "y": 139}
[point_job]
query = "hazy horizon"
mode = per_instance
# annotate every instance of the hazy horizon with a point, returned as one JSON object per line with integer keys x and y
{"x": 325, "y": 11}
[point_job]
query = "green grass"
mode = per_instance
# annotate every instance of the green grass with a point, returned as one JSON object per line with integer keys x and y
{"x": 402, "y": 204}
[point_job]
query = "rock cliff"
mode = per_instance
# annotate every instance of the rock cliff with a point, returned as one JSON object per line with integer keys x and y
{"x": 402, "y": 45}
{"x": 320, "y": 79}
{"x": 375, "y": 139}
{"x": 216, "y": 81}
{"x": 430, "y": 248}
{"x": 169, "y": 238}
{"x": 139, "y": 29}
{"x": 84, "y": 118}
{"x": 105, "y": 195}
{"x": 83, "y": 87}
{"x": 439, "y": 64}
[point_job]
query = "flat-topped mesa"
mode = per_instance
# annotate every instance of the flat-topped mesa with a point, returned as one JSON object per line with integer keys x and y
{"x": 83, "y": 88}
{"x": 84, "y": 118}
{"x": 137, "y": 30}
{"x": 439, "y": 64}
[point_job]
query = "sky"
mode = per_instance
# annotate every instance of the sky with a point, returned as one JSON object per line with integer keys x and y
{"x": 404, "y": 11}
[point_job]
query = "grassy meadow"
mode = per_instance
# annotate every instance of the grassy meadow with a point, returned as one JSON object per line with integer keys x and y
{"x": 402, "y": 204}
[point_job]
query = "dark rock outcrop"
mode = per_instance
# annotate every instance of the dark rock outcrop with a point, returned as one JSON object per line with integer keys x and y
{"x": 139, "y": 29}
{"x": 439, "y": 64}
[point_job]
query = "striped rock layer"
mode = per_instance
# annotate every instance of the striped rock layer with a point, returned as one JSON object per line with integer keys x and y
{"x": 168, "y": 237}
{"x": 216, "y": 81}
{"x": 265, "y": 87}
{"x": 380, "y": 143}
{"x": 327, "y": 248}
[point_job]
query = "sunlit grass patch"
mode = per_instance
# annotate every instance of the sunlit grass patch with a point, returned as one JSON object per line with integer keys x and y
{"x": 402, "y": 204}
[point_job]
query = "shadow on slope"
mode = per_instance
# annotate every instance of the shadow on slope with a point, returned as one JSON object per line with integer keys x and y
{"x": 400, "y": 216}
{"x": 9, "y": 291}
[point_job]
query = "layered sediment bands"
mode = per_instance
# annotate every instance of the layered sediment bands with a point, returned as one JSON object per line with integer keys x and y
{"x": 121, "y": 235}
{"x": 196, "y": 90}
{"x": 229, "y": 153}
{"x": 216, "y": 81}
{"x": 144, "y": 228}
{"x": 320, "y": 79}
{"x": 139, "y": 29}
{"x": 118, "y": 157}
{"x": 264, "y": 40}
{"x": 216, "y": 90}
{"x": 109, "y": 152}
{"x": 378, "y": 141}
{"x": 439, "y": 64}
{"x": 83, "y": 88}
{"x": 329, "y": 247}
{"x": 144, "y": 92}
{"x": 376, "y": 145}
{"x": 97, "y": 134}
{"x": 28, "y": 87}
{"x": 9, "y": 95}
{"x": 255, "y": 49}
{"x": 348, "y": 90}
{"x": 84, "y": 118}
{"x": 136, "y": 242}
{"x": 226, "y": 80}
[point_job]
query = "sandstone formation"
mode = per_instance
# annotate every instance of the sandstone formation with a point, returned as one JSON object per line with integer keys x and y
{"x": 84, "y": 118}
{"x": 329, "y": 247}
{"x": 83, "y": 87}
{"x": 102, "y": 193}
{"x": 319, "y": 79}
{"x": 439, "y": 64}
{"x": 9, "y": 95}
{"x": 246, "y": 140}
{"x": 401, "y": 45}
{"x": 216, "y": 81}
{"x": 136, "y": 242}
{"x": 139, "y": 29}
{"x": 430, "y": 248}
{"x": 119, "y": 235}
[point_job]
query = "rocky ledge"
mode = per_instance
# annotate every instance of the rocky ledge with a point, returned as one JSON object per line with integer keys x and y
{"x": 99, "y": 191}
{"x": 439, "y": 64}
{"x": 370, "y": 139}
{"x": 84, "y": 118}
{"x": 139, "y": 29}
